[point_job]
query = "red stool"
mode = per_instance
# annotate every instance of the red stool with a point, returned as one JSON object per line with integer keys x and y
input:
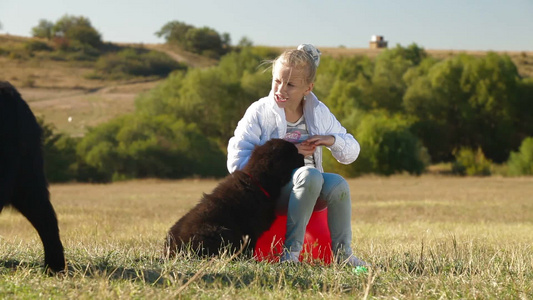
{"x": 317, "y": 240}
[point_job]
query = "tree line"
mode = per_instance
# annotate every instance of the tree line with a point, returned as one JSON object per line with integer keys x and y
{"x": 73, "y": 38}
{"x": 408, "y": 110}
{"x": 77, "y": 33}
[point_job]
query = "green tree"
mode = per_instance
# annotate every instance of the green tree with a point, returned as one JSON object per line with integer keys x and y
{"x": 77, "y": 29}
{"x": 245, "y": 42}
{"x": 59, "y": 152}
{"x": 471, "y": 163}
{"x": 255, "y": 86}
{"x": 214, "y": 98}
{"x": 85, "y": 36}
{"x": 225, "y": 39}
{"x": 523, "y": 108}
{"x": 213, "y": 109}
{"x": 202, "y": 40}
{"x": 388, "y": 86}
{"x": 136, "y": 62}
{"x": 64, "y": 24}
{"x": 343, "y": 97}
{"x": 342, "y": 83}
{"x": 435, "y": 98}
{"x": 521, "y": 162}
{"x": 174, "y": 32}
{"x": 134, "y": 146}
{"x": 466, "y": 102}
{"x": 387, "y": 146}
{"x": 164, "y": 98}
{"x": 359, "y": 82}
{"x": 235, "y": 64}
{"x": 43, "y": 30}
{"x": 99, "y": 147}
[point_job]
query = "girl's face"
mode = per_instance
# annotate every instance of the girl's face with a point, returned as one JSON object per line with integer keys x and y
{"x": 289, "y": 86}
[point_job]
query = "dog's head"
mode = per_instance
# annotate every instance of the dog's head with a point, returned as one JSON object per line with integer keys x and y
{"x": 276, "y": 159}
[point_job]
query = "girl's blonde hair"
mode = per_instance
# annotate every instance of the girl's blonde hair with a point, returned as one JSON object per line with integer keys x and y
{"x": 298, "y": 59}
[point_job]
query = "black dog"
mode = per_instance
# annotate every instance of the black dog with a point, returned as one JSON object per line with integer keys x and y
{"x": 22, "y": 181}
{"x": 243, "y": 204}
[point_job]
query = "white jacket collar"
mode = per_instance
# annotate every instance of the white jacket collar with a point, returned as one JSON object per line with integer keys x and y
{"x": 310, "y": 104}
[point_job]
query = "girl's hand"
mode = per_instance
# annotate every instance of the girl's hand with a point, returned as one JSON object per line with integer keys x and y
{"x": 320, "y": 140}
{"x": 305, "y": 148}
{"x": 308, "y": 147}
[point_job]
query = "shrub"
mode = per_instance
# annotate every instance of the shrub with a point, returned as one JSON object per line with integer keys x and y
{"x": 81, "y": 56}
{"x": 84, "y": 35}
{"x": 137, "y": 63}
{"x": 35, "y": 45}
{"x": 468, "y": 162}
{"x": 59, "y": 154}
{"x": 203, "y": 40}
{"x": 232, "y": 85}
{"x": 134, "y": 146}
{"x": 399, "y": 151}
{"x": 4, "y": 52}
{"x": 77, "y": 29}
{"x": 93, "y": 76}
{"x": 19, "y": 55}
{"x": 387, "y": 146}
{"x": 61, "y": 43}
{"x": 521, "y": 162}
{"x": 81, "y": 49}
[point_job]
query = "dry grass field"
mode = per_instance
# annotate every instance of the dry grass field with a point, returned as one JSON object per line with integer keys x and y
{"x": 428, "y": 237}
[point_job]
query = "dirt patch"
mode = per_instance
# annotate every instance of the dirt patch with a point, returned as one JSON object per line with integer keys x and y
{"x": 73, "y": 111}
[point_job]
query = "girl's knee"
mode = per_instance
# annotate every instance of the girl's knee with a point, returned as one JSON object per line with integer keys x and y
{"x": 308, "y": 176}
{"x": 335, "y": 187}
{"x": 342, "y": 184}
{"x": 336, "y": 180}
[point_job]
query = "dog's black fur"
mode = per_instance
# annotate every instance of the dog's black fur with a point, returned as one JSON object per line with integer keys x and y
{"x": 22, "y": 181}
{"x": 243, "y": 204}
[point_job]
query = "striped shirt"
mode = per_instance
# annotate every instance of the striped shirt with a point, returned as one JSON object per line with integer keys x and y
{"x": 297, "y": 133}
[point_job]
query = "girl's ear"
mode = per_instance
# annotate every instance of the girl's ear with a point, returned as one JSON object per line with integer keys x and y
{"x": 309, "y": 89}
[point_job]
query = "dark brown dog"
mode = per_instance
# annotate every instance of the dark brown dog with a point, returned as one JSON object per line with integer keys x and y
{"x": 22, "y": 181}
{"x": 243, "y": 204}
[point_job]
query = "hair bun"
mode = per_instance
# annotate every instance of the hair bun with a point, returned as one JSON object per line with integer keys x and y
{"x": 312, "y": 51}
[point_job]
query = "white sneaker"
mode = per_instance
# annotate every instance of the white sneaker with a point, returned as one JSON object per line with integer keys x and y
{"x": 352, "y": 261}
{"x": 289, "y": 257}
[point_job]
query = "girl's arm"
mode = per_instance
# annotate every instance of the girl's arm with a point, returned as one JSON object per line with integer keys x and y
{"x": 345, "y": 147}
{"x": 245, "y": 138}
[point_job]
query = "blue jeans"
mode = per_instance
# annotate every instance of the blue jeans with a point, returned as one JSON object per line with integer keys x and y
{"x": 308, "y": 191}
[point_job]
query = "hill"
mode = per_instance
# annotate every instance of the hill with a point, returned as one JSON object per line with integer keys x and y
{"x": 61, "y": 90}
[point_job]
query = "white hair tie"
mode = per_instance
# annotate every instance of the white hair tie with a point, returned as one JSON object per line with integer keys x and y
{"x": 311, "y": 51}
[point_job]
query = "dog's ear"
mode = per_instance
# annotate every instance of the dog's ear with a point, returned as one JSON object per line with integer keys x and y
{"x": 7, "y": 89}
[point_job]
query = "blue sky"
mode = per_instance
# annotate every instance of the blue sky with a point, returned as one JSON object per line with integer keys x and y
{"x": 445, "y": 24}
